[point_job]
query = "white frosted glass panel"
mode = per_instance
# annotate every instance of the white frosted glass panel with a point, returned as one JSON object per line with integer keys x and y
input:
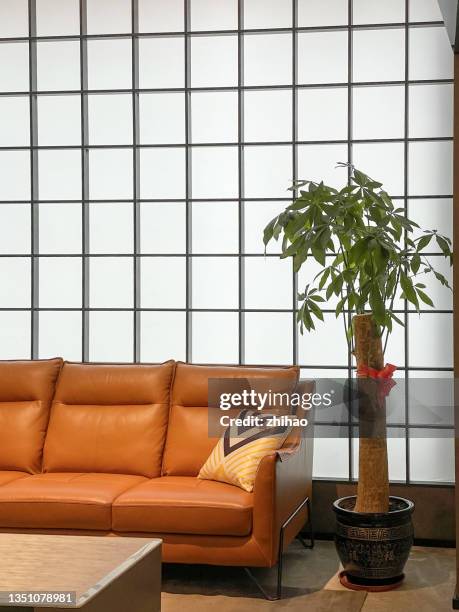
{"x": 215, "y": 172}
{"x": 438, "y": 62}
{"x": 431, "y": 456}
{"x": 215, "y": 337}
{"x": 59, "y": 282}
{"x": 60, "y": 334}
{"x": 432, "y": 214}
{"x": 331, "y": 455}
{"x": 214, "y": 61}
{"x": 15, "y": 335}
{"x": 425, "y": 10}
{"x": 431, "y": 110}
{"x": 215, "y": 227}
{"x": 162, "y": 118}
{"x": 161, "y": 16}
{"x": 268, "y": 338}
{"x": 257, "y": 215}
{"x": 441, "y": 296}
{"x": 268, "y": 59}
{"x": 384, "y": 163}
{"x": 110, "y": 119}
{"x": 14, "y": 20}
{"x": 111, "y": 336}
{"x": 375, "y": 11}
{"x": 318, "y": 163}
{"x": 111, "y": 283}
{"x": 323, "y": 13}
{"x": 111, "y": 228}
{"x": 268, "y": 282}
{"x": 156, "y": 221}
{"x": 59, "y": 228}
{"x": 58, "y": 65}
{"x": 14, "y": 66}
{"x": 268, "y": 171}
{"x": 431, "y": 340}
{"x": 378, "y": 112}
{"x": 431, "y": 400}
{"x": 267, "y": 14}
{"x": 268, "y": 116}
{"x": 109, "y": 16}
{"x": 14, "y": 175}
{"x": 60, "y": 18}
{"x": 426, "y": 177}
{"x": 15, "y": 228}
{"x": 14, "y": 122}
{"x": 59, "y": 120}
{"x": 396, "y": 453}
{"x": 379, "y": 55}
{"x": 163, "y": 282}
{"x": 326, "y": 345}
{"x": 162, "y": 336}
{"x": 214, "y": 14}
{"x": 215, "y": 282}
{"x": 322, "y": 57}
{"x": 16, "y": 279}
{"x": 162, "y": 62}
{"x": 322, "y": 114}
{"x": 162, "y": 173}
{"x": 110, "y": 64}
{"x": 214, "y": 116}
{"x": 110, "y": 174}
{"x": 395, "y": 351}
{"x": 59, "y": 175}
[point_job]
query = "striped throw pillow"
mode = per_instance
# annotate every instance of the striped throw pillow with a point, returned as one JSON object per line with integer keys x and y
{"x": 238, "y": 453}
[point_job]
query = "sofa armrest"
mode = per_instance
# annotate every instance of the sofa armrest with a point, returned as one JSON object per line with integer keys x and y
{"x": 283, "y": 481}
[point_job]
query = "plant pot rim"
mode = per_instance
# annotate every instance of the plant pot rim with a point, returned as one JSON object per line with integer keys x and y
{"x": 400, "y": 511}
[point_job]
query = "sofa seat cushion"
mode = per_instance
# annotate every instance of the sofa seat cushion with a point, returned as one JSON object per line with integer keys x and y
{"x": 181, "y": 504}
{"x": 62, "y": 501}
{"x": 6, "y": 476}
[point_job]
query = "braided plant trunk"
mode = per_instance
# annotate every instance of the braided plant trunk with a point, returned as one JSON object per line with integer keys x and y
{"x": 373, "y": 484}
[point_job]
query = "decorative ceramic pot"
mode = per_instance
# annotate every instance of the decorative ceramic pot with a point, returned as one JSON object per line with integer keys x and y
{"x": 373, "y": 547}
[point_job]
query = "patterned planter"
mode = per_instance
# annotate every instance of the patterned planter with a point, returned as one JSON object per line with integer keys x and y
{"x": 373, "y": 548}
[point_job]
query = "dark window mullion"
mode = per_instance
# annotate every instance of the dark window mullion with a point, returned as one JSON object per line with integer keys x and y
{"x": 405, "y": 196}
{"x": 295, "y": 162}
{"x": 84, "y": 181}
{"x": 34, "y": 194}
{"x": 188, "y": 185}
{"x": 241, "y": 184}
{"x": 136, "y": 179}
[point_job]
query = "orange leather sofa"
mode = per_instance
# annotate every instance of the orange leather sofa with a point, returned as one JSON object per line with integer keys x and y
{"x": 115, "y": 450}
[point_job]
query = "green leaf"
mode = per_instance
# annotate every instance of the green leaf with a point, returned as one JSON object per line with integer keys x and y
{"x": 424, "y": 297}
{"x": 415, "y": 263}
{"x": 408, "y": 289}
{"x": 423, "y": 242}
{"x": 268, "y": 231}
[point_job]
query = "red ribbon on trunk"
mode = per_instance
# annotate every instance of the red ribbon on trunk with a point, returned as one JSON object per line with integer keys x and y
{"x": 383, "y": 376}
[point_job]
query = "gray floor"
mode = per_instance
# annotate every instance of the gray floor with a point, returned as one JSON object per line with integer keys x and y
{"x": 311, "y": 584}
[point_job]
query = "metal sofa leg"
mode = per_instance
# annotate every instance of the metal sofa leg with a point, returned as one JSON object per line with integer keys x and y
{"x": 278, "y": 594}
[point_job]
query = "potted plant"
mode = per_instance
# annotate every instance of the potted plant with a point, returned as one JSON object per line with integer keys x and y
{"x": 369, "y": 252}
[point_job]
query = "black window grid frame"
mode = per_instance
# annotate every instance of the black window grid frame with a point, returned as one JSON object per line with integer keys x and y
{"x": 84, "y": 147}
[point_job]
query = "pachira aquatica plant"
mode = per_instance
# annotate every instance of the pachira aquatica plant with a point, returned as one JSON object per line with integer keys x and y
{"x": 369, "y": 253}
{"x": 367, "y": 247}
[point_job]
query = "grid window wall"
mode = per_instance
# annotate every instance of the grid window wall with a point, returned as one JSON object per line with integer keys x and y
{"x": 145, "y": 144}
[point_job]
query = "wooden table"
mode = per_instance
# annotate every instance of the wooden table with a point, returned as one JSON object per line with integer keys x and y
{"x": 96, "y": 574}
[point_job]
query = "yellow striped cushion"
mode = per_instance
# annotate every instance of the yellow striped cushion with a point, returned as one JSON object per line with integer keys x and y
{"x": 235, "y": 459}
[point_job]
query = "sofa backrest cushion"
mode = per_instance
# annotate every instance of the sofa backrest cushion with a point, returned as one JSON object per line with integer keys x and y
{"x": 109, "y": 418}
{"x": 26, "y": 390}
{"x": 188, "y": 443}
